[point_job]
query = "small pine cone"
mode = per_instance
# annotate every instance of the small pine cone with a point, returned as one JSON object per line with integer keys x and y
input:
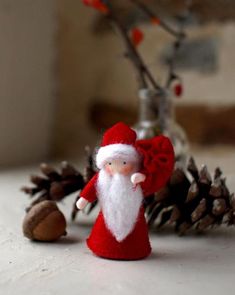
{"x": 54, "y": 185}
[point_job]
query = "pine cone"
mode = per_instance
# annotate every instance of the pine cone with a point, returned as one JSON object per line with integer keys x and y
{"x": 54, "y": 185}
{"x": 201, "y": 203}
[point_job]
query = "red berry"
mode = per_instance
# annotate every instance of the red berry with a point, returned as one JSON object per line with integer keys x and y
{"x": 178, "y": 89}
{"x": 137, "y": 36}
{"x": 155, "y": 21}
{"x": 96, "y": 4}
{"x": 99, "y": 5}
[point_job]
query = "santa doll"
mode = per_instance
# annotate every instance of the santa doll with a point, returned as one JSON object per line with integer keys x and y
{"x": 129, "y": 171}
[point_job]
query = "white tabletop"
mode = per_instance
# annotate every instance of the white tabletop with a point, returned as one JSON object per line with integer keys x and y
{"x": 187, "y": 265}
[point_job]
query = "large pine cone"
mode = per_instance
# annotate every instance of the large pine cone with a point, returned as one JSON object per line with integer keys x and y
{"x": 199, "y": 204}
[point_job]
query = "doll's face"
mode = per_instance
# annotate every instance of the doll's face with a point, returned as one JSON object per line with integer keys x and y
{"x": 120, "y": 166}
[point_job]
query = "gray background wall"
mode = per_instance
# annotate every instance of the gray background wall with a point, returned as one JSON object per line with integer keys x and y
{"x": 27, "y": 79}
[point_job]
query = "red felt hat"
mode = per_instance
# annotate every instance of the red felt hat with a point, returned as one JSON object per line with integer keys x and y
{"x": 119, "y": 133}
{"x": 118, "y": 142}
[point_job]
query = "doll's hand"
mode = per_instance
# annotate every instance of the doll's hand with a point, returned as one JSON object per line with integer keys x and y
{"x": 137, "y": 178}
{"x": 81, "y": 203}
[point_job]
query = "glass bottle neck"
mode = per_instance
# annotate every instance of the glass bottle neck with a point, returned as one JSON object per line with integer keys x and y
{"x": 166, "y": 112}
{"x": 147, "y": 110}
{"x": 156, "y": 107}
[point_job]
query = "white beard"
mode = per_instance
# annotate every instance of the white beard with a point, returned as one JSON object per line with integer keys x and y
{"x": 120, "y": 203}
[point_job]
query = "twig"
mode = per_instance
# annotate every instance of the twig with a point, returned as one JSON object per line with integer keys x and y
{"x": 171, "y": 72}
{"x": 145, "y": 77}
{"x": 132, "y": 53}
{"x": 177, "y": 44}
{"x": 179, "y": 35}
{"x": 152, "y": 15}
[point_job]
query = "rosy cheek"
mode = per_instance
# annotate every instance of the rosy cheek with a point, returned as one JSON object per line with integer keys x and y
{"x": 108, "y": 169}
{"x": 127, "y": 169}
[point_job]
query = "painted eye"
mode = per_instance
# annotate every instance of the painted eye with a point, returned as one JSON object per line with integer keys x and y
{"x": 124, "y": 163}
{"x": 110, "y": 163}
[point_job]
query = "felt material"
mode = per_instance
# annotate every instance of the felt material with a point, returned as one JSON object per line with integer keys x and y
{"x": 118, "y": 141}
{"x": 89, "y": 191}
{"x": 120, "y": 203}
{"x": 119, "y": 133}
{"x": 101, "y": 241}
{"x": 135, "y": 246}
{"x": 157, "y": 158}
{"x": 158, "y": 162}
{"x": 118, "y": 150}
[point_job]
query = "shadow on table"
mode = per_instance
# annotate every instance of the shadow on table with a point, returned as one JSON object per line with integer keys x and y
{"x": 222, "y": 231}
{"x": 65, "y": 240}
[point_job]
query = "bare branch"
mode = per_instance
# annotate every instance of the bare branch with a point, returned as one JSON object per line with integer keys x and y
{"x": 152, "y": 15}
{"x": 142, "y": 70}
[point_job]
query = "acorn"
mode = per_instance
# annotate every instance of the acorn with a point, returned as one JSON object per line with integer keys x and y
{"x": 44, "y": 222}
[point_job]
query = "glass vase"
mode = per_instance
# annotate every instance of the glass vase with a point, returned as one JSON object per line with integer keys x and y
{"x": 157, "y": 116}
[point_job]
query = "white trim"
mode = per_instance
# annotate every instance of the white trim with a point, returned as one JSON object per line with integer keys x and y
{"x": 118, "y": 150}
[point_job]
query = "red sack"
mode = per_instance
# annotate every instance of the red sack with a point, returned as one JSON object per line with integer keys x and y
{"x": 158, "y": 162}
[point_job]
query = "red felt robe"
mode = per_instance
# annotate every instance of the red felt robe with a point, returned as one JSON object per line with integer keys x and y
{"x": 136, "y": 245}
